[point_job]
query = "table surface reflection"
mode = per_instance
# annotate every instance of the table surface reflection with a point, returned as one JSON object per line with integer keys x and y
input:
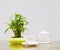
{"x": 51, "y": 46}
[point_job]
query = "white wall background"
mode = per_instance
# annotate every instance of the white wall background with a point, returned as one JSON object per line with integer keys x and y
{"x": 41, "y": 14}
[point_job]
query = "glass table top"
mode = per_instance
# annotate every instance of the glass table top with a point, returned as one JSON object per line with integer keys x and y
{"x": 52, "y": 46}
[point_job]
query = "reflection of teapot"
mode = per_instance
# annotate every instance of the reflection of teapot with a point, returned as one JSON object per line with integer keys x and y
{"x": 16, "y": 47}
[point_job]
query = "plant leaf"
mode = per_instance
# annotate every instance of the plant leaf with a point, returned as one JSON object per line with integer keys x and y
{"x": 6, "y": 30}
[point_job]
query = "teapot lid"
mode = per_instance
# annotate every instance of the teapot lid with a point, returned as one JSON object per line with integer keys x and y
{"x": 43, "y": 32}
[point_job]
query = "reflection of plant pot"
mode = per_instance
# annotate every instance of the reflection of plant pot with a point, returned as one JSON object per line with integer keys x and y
{"x": 16, "y": 40}
{"x": 16, "y": 47}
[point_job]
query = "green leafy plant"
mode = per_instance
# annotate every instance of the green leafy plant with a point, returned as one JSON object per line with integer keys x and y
{"x": 17, "y": 25}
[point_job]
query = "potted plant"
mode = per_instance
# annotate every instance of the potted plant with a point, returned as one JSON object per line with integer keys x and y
{"x": 17, "y": 25}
